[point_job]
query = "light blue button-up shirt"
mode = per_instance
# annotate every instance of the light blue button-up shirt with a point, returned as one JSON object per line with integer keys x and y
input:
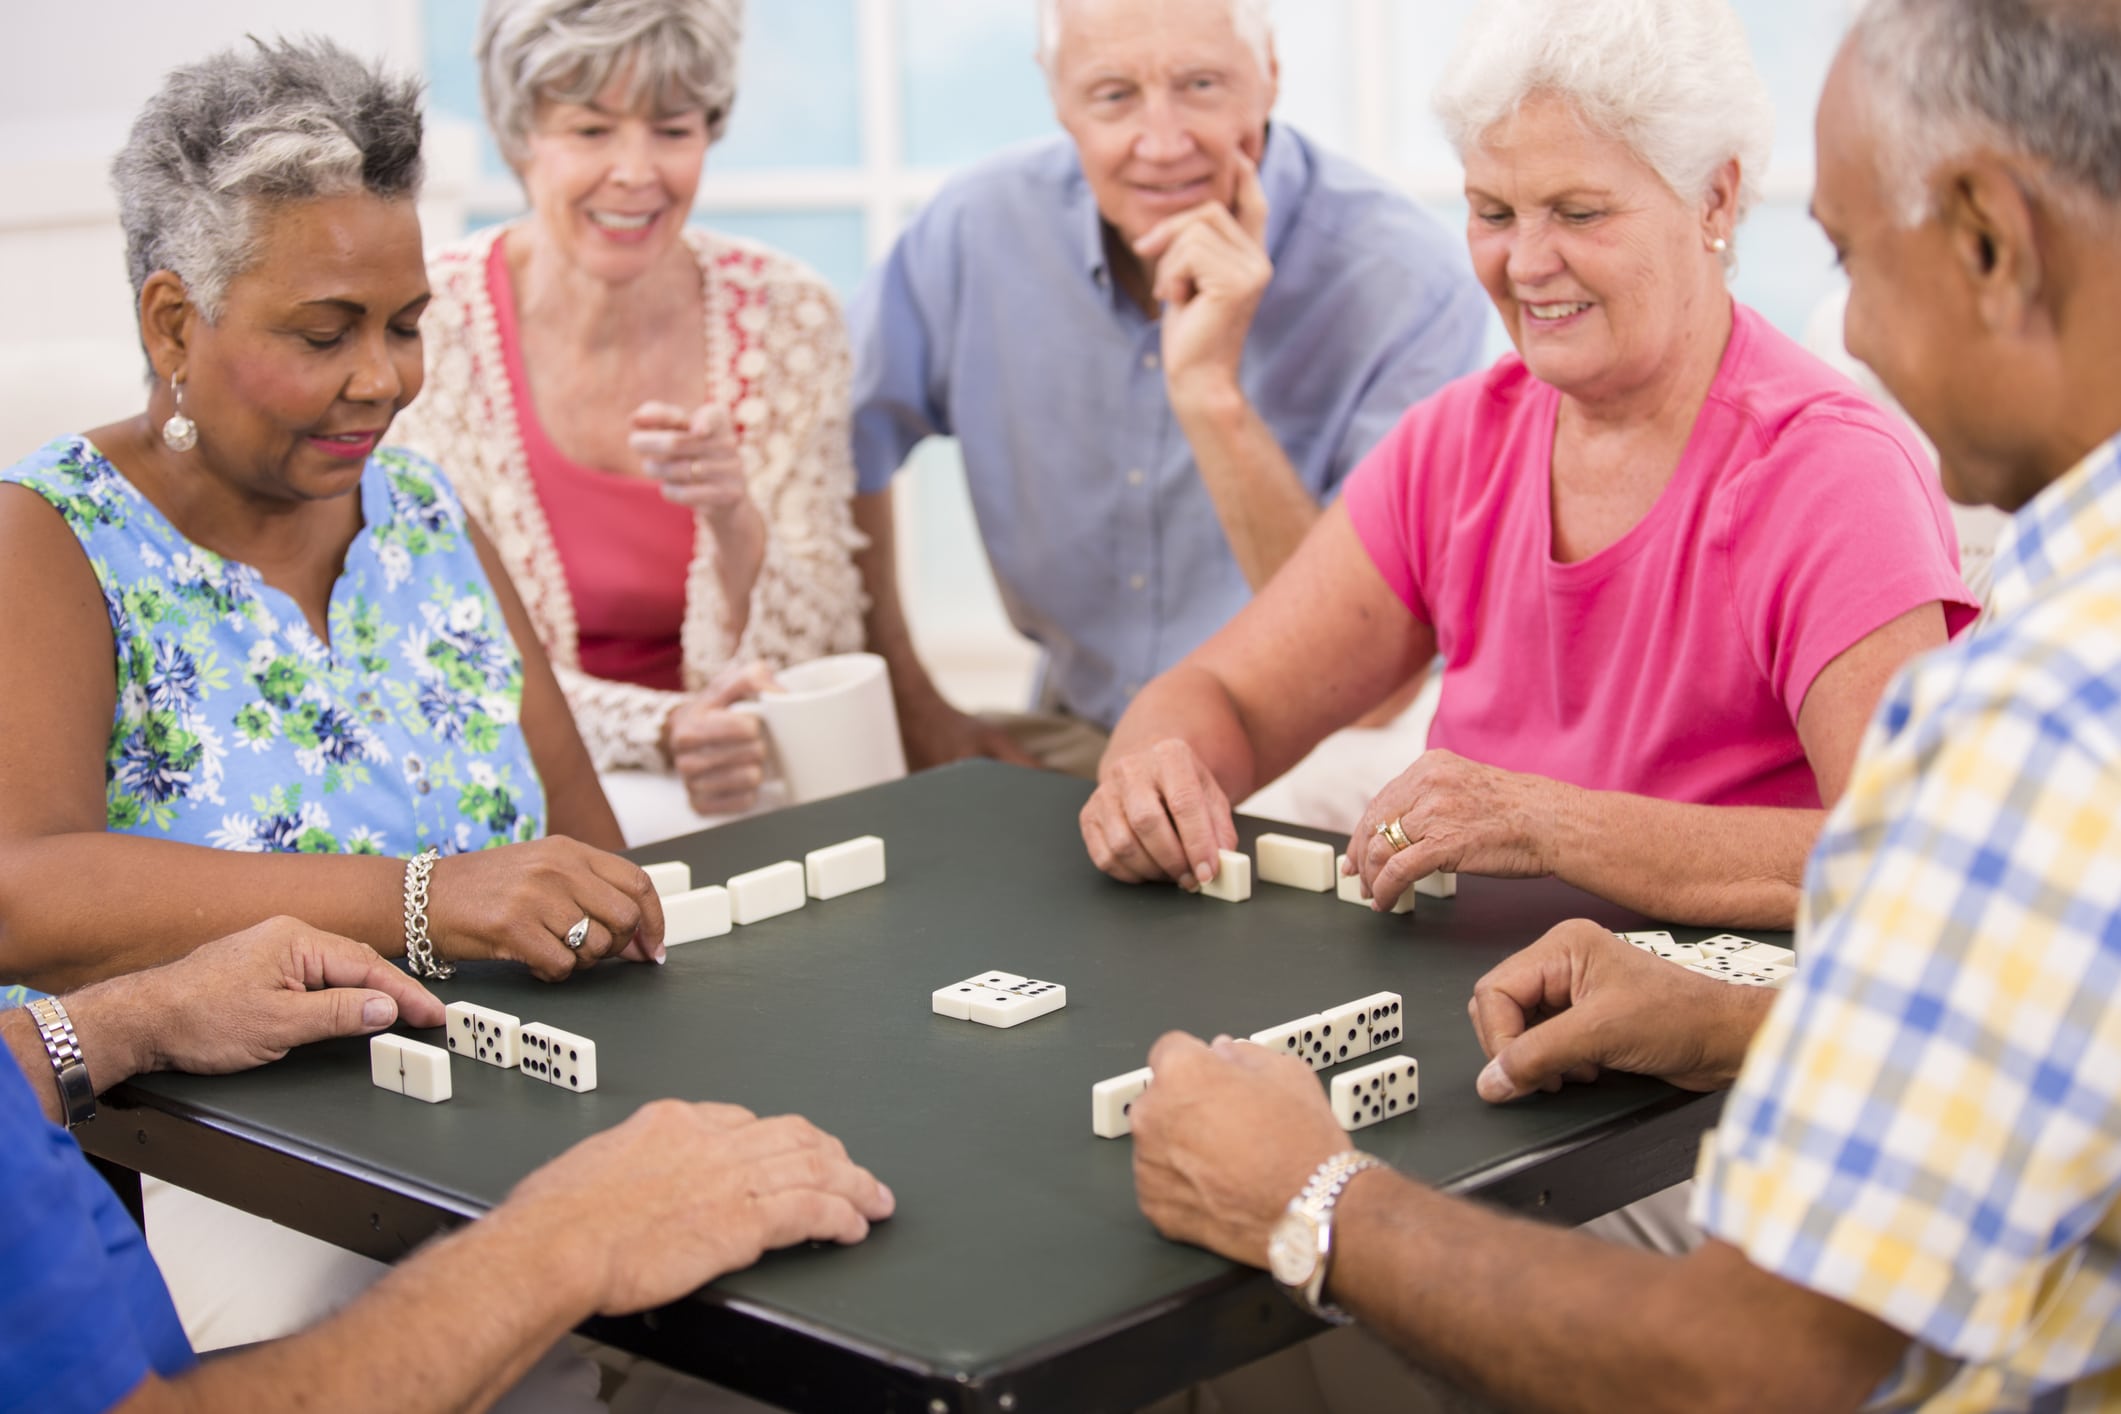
{"x": 995, "y": 321}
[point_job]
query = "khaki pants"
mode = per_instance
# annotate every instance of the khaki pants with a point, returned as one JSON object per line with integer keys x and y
{"x": 1061, "y": 742}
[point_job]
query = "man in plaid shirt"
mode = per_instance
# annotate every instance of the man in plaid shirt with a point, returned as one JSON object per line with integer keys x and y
{"x": 1914, "y": 1196}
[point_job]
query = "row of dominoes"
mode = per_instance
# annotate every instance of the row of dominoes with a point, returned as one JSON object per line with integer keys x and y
{"x": 1740, "y": 961}
{"x": 691, "y": 915}
{"x": 408, "y": 1067}
{"x": 1369, "y": 1094}
{"x": 1307, "y": 864}
{"x": 1320, "y": 1040}
{"x": 1000, "y": 999}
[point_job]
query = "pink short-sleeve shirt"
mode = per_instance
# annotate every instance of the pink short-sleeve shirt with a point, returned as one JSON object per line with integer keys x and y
{"x": 1672, "y": 663}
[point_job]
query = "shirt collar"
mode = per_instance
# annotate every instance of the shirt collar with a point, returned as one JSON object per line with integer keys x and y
{"x": 2074, "y": 521}
{"x": 1281, "y": 177}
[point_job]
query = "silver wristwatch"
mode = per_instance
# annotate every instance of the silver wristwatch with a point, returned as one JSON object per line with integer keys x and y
{"x": 77, "y": 1093}
{"x": 1300, "y": 1249}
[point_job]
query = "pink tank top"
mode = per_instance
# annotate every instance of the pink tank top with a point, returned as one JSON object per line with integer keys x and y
{"x": 623, "y": 548}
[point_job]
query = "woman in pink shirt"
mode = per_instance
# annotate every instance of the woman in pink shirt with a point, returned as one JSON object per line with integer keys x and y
{"x": 1669, "y": 559}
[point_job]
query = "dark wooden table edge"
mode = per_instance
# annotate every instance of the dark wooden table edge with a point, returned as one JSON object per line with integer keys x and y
{"x": 1209, "y": 1329}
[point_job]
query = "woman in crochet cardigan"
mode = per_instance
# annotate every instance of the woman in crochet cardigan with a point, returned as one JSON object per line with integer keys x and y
{"x": 649, "y": 421}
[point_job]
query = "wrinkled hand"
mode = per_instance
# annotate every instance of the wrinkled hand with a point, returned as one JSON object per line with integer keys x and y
{"x": 700, "y": 1190}
{"x": 252, "y": 997}
{"x": 720, "y": 755}
{"x": 1224, "y": 1137}
{"x": 1461, "y": 816}
{"x": 1211, "y": 272}
{"x": 694, "y": 454}
{"x": 1158, "y": 813}
{"x": 519, "y": 901}
{"x": 1580, "y": 1000}
{"x": 935, "y": 734}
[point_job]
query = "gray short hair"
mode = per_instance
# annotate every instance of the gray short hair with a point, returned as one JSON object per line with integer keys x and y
{"x": 1673, "y": 79}
{"x": 1254, "y": 20}
{"x": 678, "y": 56}
{"x": 2039, "y": 78}
{"x": 288, "y": 121}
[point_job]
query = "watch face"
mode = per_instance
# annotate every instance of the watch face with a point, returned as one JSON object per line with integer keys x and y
{"x": 1292, "y": 1248}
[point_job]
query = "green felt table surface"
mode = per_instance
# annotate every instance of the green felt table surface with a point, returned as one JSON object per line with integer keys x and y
{"x": 1016, "y": 1227}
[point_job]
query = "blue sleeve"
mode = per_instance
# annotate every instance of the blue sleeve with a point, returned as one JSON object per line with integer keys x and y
{"x": 897, "y": 402}
{"x": 84, "y": 1315}
{"x": 1444, "y": 344}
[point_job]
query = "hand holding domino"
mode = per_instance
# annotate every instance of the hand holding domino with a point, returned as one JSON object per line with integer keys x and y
{"x": 1159, "y": 814}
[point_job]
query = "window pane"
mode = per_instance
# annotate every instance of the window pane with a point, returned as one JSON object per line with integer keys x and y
{"x": 1793, "y": 46}
{"x": 452, "y": 29}
{"x": 971, "y": 82}
{"x": 1785, "y": 266}
{"x": 1317, "y": 71}
{"x": 1424, "y": 37}
{"x": 798, "y": 102}
{"x": 829, "y": 241}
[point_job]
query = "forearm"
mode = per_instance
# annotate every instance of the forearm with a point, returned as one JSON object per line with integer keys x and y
{"x": 83, "y": 907}
{"x": 1714, "y": 866}
{"x": 451, "y": 1329}
{"x": 884, "y": 622}
{"x": 1546, "y": 1318}
{"x": 1263, "y": 506}
{"x": 1192, "y": 704}
{"x": 111, "y": 1022}
{"x": 740, "y": 553}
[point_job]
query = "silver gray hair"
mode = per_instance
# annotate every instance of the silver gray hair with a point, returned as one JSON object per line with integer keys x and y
{"x": 1672, "y": 79}
{"x": 1254, "y": 20}
{"x": 676, "y": 56}
{"x": 235, "y": 133}
{"x": 2037, "y": 78}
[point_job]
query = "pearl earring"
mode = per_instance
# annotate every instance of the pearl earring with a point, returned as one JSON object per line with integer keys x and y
{"x": 1719, "y": 245}
{"x": 180, "y": 433}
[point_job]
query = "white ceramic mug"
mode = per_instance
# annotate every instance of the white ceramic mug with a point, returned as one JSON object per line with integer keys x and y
{"x": 830, "y": 726}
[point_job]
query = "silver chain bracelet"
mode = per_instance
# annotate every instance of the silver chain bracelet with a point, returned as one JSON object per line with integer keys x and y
{"x": 419, "y": 948}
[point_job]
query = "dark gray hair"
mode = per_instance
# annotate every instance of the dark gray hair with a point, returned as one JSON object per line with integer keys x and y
{"x": 677, "y": 56}
{"x": 287, "y": 121}
{"x": 2039, "y": 78}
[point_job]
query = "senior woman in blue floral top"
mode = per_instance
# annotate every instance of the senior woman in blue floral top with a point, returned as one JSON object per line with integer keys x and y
{"x": 261, "y": 661}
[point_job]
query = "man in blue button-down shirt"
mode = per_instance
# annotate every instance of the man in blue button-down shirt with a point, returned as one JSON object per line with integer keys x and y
{"x": 1161, "y": 341}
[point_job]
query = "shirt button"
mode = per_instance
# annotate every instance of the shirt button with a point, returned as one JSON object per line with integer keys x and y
{"x": 1135, "y": 477}
{"x": 1149, "y": 361}
{"x": 1137, "y": 582}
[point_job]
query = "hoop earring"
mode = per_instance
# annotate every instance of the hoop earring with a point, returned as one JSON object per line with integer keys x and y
{"x": 180, "y": 433}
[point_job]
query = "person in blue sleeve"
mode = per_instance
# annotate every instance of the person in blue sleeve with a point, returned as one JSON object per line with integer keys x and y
{"x": 1161, "y": 340}
{"x": 87, "y": 1325}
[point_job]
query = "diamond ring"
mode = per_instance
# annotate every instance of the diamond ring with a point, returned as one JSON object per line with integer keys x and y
{"x": 578, "y": 934}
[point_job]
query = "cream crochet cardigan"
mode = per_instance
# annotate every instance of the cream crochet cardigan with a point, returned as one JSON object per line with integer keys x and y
{"x": 777, "y": 358}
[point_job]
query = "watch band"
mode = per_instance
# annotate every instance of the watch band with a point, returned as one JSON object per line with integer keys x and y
{"x": 1319, "y": 1196}
{"x": 77, "y": 1093}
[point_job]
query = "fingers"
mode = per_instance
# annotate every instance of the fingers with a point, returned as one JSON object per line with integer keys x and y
{"x": 735, "y": 684}
{"x": 655, "y": 416}
{"x": 1541, "y": 1058}
{"x": 329, "y": 960}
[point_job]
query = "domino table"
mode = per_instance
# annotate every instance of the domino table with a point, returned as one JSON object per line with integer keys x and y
{"x": 1018, "y": 1275}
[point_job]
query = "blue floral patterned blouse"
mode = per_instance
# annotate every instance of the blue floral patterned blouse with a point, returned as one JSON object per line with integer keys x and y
{"x": 236, "y": 727}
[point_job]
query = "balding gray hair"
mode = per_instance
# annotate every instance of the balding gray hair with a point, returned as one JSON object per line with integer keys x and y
{"x": 674, "y": 56}
{"x": 235, "y": 133}
{"x": 1253, "y": 19}
{"x": 1672, "y": 79}
{"x": 2037, "y": 78}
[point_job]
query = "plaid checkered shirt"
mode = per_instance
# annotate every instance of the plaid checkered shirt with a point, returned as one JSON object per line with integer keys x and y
{"x": 1928, "y": 1126}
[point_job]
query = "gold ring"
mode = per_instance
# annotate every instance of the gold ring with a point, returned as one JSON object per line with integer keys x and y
{"x": 1395, "y": 836}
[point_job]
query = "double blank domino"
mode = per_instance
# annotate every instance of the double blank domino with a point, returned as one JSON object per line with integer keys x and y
{"x": 695, "y": 914}
{"x": 1233, "y": 877}
{"x": 1299, "y": 864}
{"x": 842, "y": 868}
{"x": 406, "y": 1067}
{"x": 1437, "y": 885}
{"x": 766, "y": 893}
{"x": 672, "y": 877}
